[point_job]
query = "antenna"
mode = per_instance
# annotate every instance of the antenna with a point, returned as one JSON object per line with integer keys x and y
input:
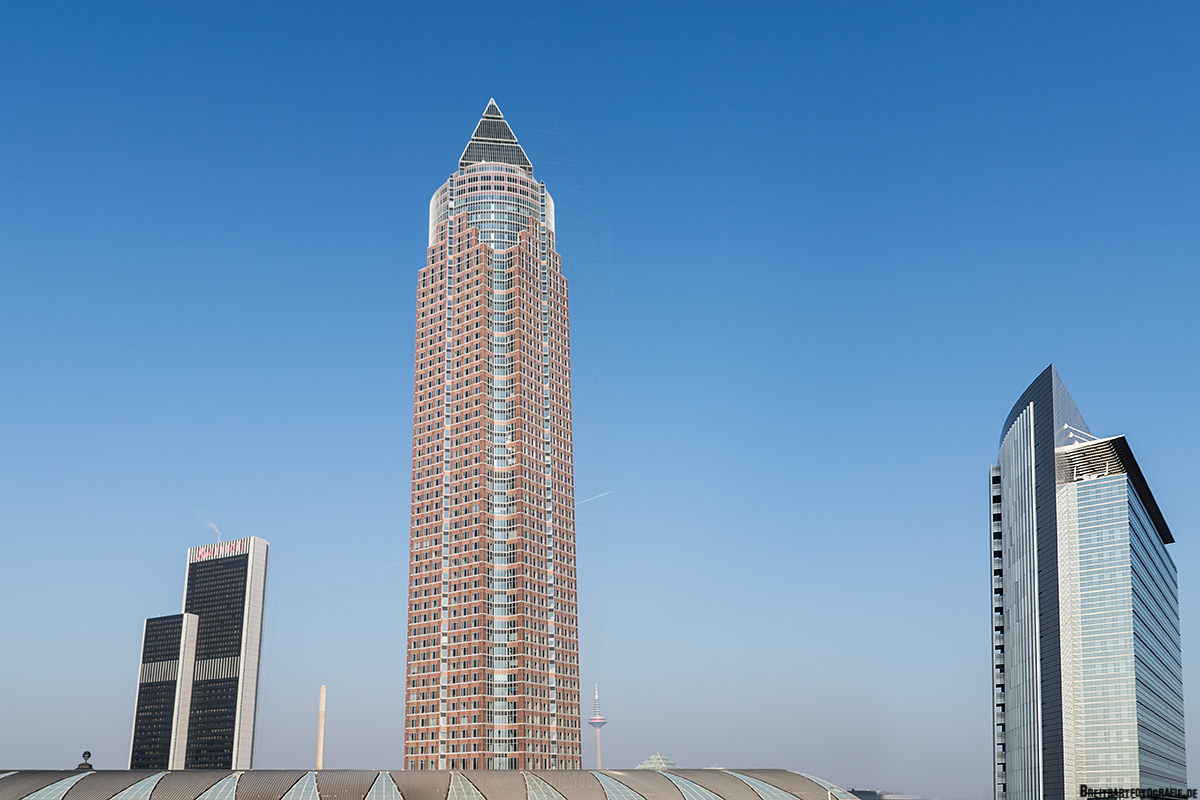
{"x": 1076, "y": 432}
{"x": 597, "y": 721}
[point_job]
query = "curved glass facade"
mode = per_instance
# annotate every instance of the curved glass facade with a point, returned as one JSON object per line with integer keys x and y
{"x": 494, "y": 185}
{"x": 1087, "y": 666}
{"x": 499, "y": 200}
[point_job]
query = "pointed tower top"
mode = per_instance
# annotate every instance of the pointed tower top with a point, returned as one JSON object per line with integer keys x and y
{"x": 1058, "y": 408}
{"x": 597, "y": 719}
{"x": 494, "y": 141}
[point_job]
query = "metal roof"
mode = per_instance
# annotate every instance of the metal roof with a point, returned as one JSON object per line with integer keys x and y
{"x": 413, "y": 784}
{"x": 1111, "y": 456}
{"x": 494, "y": 141}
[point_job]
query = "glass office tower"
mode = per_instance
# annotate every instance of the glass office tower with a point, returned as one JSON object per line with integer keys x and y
{"x": 493, "y": 671}
{"x": 1087, "y": 665}
{"x": 198, "y": 678}
{"x": 226, "y": 587}
{"x": 164, "y": 697}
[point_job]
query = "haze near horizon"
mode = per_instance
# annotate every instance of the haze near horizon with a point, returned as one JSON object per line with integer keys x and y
{"x": 818, "y": 252}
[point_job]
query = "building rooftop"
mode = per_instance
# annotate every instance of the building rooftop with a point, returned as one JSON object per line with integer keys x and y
{"x": 1111, "y": 456}
{"x": 263, "y": 784}
{"x": 494, "y": 141}
{"x": 657, "y": 761}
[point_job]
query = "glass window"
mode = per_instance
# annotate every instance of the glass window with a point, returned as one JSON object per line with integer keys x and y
{"x": 140, "y": 790}
{"x": 764, "y": 790}
{"x": 56, "y": 790}
{"x": 615, "y": 790}
{"x": 225, "y": 789}
{"x": 462, "y": 789}
{"x": 691, "y": 791}
{"x": 305, "y": 789}
{"x": 384, "y": 788}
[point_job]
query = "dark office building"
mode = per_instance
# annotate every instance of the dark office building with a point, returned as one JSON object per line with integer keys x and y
{"x": 197, "y": 709}
{"x": 164, "y": 692}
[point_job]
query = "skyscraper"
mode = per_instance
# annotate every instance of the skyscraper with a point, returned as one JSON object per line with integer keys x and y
{"x": 493, "y": 672}
{"x": 198, "y": 677}
{"x": 164, "y": 697}
{"x": 1087, "y": 664}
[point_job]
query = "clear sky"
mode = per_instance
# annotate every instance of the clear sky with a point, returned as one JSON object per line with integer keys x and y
{"x": 842, "y": 239}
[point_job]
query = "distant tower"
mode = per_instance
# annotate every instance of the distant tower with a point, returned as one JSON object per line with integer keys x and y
{"x": 597, "y": 721}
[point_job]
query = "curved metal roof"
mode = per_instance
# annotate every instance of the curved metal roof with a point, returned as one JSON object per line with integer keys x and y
{"x": 333, "y": 784}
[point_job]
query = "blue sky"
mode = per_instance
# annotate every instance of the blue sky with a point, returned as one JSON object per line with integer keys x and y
{"x": 842, "y": 239}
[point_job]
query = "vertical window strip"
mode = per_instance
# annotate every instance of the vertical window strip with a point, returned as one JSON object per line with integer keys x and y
{"x": 538, "y": 789}
{"x": 140, "y": 790}
{"x": 384, "y": 788}
{"x": 691, "y": 791}
{"x": 55, "y": 791}
{"x": 462, "y": 789}
{"x": 225, "y": 789}
{"x": 764, "y": 790}
{"x": 305, "y": 789}
{"x": 614, "y": 789}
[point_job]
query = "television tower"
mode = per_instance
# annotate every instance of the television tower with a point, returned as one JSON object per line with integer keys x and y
{"x": 597, "y": 721}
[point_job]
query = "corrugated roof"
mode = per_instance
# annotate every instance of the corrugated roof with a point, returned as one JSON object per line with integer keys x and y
{"x": 574, "y": 784}
{"x": 187, "y": 784}
{"x": 790, "y": 782}
{"x": 345, "y": 784}
{"x": 104, "y": 785}
{"x": 718, "y": 782}
{"x": 267, "y": 784}
{"x": 645, "y": 784}
{"x": 25, "y": 783}
{"x": 648, "y": 783}
{"x": 423, "y": 784}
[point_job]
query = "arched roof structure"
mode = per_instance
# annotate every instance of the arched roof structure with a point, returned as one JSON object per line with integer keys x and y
{"x": 673, "y": 784}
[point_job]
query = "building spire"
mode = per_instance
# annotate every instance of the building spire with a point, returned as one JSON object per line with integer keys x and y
{"x": 494, "y": 141}
{"x": 597, "y": 718}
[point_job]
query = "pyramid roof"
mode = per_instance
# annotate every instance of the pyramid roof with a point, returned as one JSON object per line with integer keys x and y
{"x": 658, "y": 761}
{"x": 494, "y": 141}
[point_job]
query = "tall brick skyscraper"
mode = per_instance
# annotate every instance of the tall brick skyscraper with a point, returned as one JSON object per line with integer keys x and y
{"x": 493, "y": 669}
